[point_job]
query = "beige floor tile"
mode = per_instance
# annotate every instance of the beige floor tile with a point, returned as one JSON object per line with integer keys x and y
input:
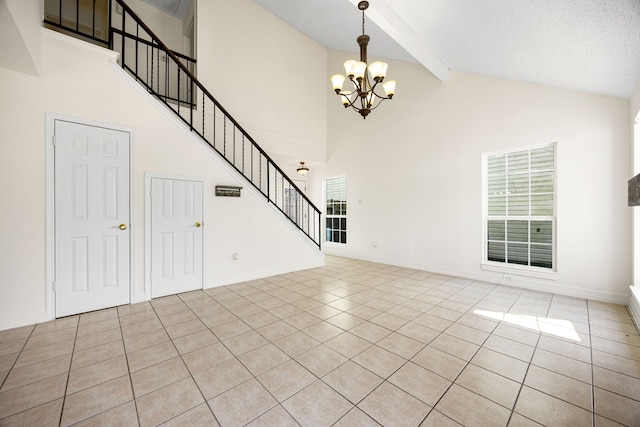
{"x": 97, "y": 354}
{"x": 186, "y": 328}
{"x": 177, "y": 318}
{"x": 37, "y": 355}
{"x": 188, "y": 343}
{"x": 54, "y": 325}
{"x": 501, "y": 364}
{"x": 97, "y": 373}
{"x": 317, "y": 405}
{"x": 276, "y": 416}
{"x": 168, "y": 402}
{"x": 157, "y": 376}
{"x": 564, "y": 348}
{"x": 345, "y": 320}
{"x": 616, "y": 363}
{"x": 601, "y": 421}
{"x": 31, "y": 395}
{"x": 95, "y": 400}
{"x": 547, "y": 410}
{"x": 221, "y": 377}
{"x": 242, "y": 403}
{"x": 99, "y": 338}
{"x": 445, "y": 313}
{"x": 220, "y": 317}
{"x": 348, "y": 345}
{"x": 47, "y": 414}
{"x": 7, "y": 361}
{"x": 420, "y": 383}
{"x": 149, "y": 339}
{"x": 302, "y": 320}
{"x": 12, "y": 347}
{"x": 286, "y": 379}
{"x": 322, "y": 331}
{"x": 274, "y": 331}
{"x": 263, "y": 358}
{"x": 21, "y": 333}
{"x": 123, "y": 415}
{"x": 370, "y": 332}
{"x": 455, "y": 346}
{"x": 390, "y": 405}
{"x": 356, "y": 418}
{"x": 418, "y": 332}
{"x": 37, "y": 341}
{"x": 151, "y": 355}
{"x": 614, "y": 347}
{"x": 433, "y": 322}
{"x": 509, "y": 348}
{"x": 379, "y": 361}
{"x": 200, "y": 416}
{"x": 98, "y": 316}
{"x": 389, "y": 321}
{"x": 437, "y": 419}
{"x": 518, "y": 420}
{"x": 467, "y": 333}
{"x": 286, "y": 310}
{"x": 296, "y": 344}
{"x": 364, "y": 312}
{"x": 439, "y": 362}
{"x": 321, "y": 360}
{"x": 37, "y": 372}
{"x": 563, "y": 365}
{"x": 260, "y": 319}
{"x": 557, "y": 385}
{"x": 98, "y": 326}
{"x": 615, "y": 407}
{"x": 617, "y": 383}
{"x": 468, "y": 408}
{"x": 207, "y": 357}
{"x": 353, "y": 381}
{"x": 230, "y": 329}
{"x": 401, "y": 345}
{"x": 139, "y": 328}
{"x": 244, "y": 343}
{"x": 137, "y": 317}
{"x": 489, "y": 385}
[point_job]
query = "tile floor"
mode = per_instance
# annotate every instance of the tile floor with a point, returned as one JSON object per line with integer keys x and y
{"x": 350, "y": 344}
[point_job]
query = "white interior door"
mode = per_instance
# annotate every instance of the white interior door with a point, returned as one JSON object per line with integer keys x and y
{"x": 92, "y": 252}
{"x": 176, "y": 236}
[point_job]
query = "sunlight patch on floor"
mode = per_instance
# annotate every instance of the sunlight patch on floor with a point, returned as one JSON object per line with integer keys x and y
{"x": 558, "y": 327}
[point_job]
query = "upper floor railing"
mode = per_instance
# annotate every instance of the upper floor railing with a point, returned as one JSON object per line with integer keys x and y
{"x": 170, "y": 77}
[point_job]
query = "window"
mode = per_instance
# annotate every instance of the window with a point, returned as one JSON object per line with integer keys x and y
{"x": 520, "y": 207}
{"x": 336, "y": 209}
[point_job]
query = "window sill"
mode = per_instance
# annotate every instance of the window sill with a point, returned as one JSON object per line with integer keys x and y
{"x": 520, "y": 271}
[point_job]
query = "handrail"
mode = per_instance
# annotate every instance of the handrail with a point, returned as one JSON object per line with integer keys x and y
{"x": 168, "y": 82}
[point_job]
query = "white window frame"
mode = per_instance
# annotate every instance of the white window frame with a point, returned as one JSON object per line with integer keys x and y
{"x": 516, "y": 269}
{"x": 324, "y": 223}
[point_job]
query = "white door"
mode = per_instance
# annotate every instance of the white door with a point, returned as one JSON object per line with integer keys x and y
{"x": 92, "y": 252}
{"x": 176, "y": 236}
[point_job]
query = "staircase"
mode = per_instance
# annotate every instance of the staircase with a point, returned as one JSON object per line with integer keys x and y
{"x": 169, "y": 76}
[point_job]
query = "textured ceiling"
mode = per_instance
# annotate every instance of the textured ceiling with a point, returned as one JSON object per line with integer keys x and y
{"x": 587, "y": 45}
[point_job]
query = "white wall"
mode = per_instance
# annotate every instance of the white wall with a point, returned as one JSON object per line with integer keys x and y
{"x": 269, "y": 76}
{"x": 96, "y": 91}
{"x": 414, "y": 171}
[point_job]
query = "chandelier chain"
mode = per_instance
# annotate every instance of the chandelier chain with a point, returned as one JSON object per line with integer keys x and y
{"x": 363, "y": 21}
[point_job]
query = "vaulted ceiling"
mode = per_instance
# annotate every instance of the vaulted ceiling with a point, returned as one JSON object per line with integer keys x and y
{"x": 587, "y": 45}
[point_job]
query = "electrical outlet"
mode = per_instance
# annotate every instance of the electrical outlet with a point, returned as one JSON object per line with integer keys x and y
{"x": 507, "y": 277}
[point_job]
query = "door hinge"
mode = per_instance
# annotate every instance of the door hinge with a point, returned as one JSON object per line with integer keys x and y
{"x": 53, "y": 140}
{"x": 53, "y": 287}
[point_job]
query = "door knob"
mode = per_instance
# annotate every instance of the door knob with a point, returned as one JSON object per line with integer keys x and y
{"x": 122, "y": 226}
{"x": 197, "y": 224}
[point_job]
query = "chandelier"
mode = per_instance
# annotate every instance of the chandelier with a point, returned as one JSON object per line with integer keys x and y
{"x": 365, "y": 78}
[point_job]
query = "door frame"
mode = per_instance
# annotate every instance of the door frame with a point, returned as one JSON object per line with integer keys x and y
{"x": 148, "y": 176}
{"x": 50, "y": 274}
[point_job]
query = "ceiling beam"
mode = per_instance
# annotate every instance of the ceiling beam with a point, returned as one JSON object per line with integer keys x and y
{"x": 383, "y": 15}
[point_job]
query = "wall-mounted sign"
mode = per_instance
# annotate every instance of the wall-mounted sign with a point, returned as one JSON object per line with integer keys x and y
{"x": 228, "y": 191}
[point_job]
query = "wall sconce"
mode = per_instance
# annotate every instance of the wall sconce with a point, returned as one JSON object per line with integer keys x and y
{"x": 302, "y": 170}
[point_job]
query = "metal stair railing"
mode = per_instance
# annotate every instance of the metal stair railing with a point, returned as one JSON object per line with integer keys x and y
{"x": 170, "y": 78}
